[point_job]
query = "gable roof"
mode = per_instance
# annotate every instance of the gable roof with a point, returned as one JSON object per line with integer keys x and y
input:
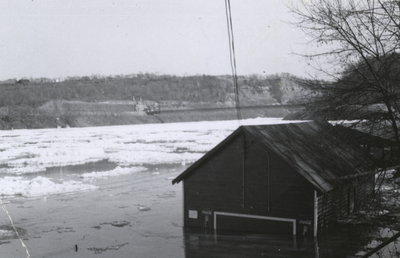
{"x": 209, "y": 154}
{"x": 310, "y": 148}
{"x": 359, "y": 137}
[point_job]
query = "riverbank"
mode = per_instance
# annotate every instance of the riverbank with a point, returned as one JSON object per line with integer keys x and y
{"x": 35, "y": 120}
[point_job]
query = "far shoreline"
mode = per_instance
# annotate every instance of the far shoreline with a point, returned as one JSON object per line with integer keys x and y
{"x": 167, "y": 116}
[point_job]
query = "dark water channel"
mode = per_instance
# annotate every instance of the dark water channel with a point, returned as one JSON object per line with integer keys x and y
{"x": 140, "y": 215}
{"x": 340, "y": 241}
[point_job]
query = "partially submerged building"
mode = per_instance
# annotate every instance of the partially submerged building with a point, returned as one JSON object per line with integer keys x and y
{"x": 285, "y": 178}
{"x": 384, "y": 152}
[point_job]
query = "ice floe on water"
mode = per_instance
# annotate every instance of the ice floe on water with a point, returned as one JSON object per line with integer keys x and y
{"x": 130, "y": 147}
{"x": 118, "y": 171}
{"x": 39, "y": 186}
{"x": 152, "y": 157}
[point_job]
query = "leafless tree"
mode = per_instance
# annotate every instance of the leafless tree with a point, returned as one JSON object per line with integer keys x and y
{"x": 360, "y": 39}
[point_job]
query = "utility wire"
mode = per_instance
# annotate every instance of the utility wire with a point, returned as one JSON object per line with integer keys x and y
{"x": 232, "y": 56}
{"x": 3, "y": 206}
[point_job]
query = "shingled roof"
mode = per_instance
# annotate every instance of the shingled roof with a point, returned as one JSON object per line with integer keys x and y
{"x": 360, "y": 137}
{"x": 310, "y": 148}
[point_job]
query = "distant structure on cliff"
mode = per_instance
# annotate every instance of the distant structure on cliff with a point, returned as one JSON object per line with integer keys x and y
{"x": 23, "y": 81}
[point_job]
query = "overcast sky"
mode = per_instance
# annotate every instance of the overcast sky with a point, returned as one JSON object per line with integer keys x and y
{"x": 59, "y": 38}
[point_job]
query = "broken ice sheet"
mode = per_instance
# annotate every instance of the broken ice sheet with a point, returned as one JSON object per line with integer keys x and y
{"x": 118, "y": 171}
{"x": 39, "y": 186}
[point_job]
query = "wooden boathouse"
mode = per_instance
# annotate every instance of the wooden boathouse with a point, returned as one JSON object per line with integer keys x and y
{"x": 384, "y": 152}
{"x": 285, "y": 178}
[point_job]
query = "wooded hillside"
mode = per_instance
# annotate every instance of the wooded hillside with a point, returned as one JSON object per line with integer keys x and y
{"x": 22, "y": 102}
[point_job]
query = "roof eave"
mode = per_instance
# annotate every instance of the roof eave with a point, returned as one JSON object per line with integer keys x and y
{"x": 196, "y": 164}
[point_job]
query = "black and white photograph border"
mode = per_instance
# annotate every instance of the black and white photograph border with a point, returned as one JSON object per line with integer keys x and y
{"x": 188, "y": 128}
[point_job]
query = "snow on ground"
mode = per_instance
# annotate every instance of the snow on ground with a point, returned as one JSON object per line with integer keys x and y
{"x": 28, "y": 152}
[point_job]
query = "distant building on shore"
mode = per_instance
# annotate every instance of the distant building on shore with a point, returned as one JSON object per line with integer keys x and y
{"x": 138, "y": 104}
{"x": 148, "y": 107}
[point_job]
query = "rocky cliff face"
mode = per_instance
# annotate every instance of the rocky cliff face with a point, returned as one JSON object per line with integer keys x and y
{"x": 107, "y": 101}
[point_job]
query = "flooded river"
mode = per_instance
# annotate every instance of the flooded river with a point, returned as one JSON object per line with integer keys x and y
{"x": 107, "y": 192}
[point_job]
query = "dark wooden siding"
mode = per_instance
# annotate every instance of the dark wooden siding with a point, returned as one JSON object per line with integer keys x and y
{"x": 215, "y": 184}
{"x": 364, "y": 190}
{"x": 348, "y": 197}
{"x": 256, "y": 194}
{"x": 266, "y": 187}
{"x": 291, "y": 194}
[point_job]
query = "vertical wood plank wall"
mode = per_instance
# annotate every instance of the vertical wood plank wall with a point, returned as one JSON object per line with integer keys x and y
{"x": 336, "y": 204}
{"x": 217, "y": 185}
{"x": 265, "y": 186}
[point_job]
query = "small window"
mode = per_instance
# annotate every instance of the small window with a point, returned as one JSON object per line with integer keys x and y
{"x": 193, "y": 214}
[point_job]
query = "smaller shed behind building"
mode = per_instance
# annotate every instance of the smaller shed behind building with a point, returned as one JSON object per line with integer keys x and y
{"x": 286, "y": 178}
{"x": 384, "y": 152}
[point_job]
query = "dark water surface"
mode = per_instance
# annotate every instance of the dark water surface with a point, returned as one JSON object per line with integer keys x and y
{"x": 140, "y": 215}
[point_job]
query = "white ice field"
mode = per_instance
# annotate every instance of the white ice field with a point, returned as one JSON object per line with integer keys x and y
{"x": 26, "y": 155}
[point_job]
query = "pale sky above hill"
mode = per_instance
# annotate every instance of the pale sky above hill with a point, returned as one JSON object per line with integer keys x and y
{"x": 59, "y": 38}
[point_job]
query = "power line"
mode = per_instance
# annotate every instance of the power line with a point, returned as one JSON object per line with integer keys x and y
{"x": 232, "y": 56}
{"x": 3, "y": 206}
